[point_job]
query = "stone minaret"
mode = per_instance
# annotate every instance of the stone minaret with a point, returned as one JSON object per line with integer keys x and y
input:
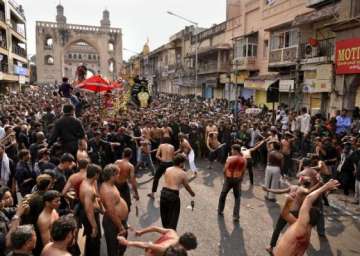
{"x": 105, "y": 22}
{"x": 60, "y": 17}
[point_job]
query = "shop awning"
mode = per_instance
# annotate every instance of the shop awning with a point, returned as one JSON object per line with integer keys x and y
{"x": 262, "y": 83}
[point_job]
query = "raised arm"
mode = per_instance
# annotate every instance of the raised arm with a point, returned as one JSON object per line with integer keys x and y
{"x": 304, "y": 213}
{"x": 285, "y": 212}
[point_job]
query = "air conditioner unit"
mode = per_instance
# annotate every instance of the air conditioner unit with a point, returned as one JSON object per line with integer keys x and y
{"x": 311, "y": 51}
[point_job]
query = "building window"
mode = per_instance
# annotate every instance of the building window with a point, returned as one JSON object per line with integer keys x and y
{"x": 246, "y": 47}
{"x": 111, "y": 46}
{"x": 80, "y": 57}
{"x": 70, "y": 56}
{"x": 49, "y": 60}
{"x": 284, "y": 39}
{"x": 49, "y": 43}
{"x": 89, "y": 57}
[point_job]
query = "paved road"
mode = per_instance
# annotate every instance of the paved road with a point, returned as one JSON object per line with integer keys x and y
{"x": 221, "y": 237}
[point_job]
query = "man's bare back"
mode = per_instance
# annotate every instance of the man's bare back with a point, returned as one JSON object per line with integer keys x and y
{"x": 51, "y": 250}
{"x": 174, "y": 178}
{"x": 165, "y": 152}
{"x": 126, "y": 170}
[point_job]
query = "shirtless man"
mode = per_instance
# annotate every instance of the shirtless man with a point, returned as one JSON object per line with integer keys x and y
{"x": 82, "y": 150}
{"x": 273, "y": 169}
{"x": 116, "y": 210}
{"x": 145, "y": 155}
{"x": 165, "y": 154}
{"x": 175, "y": 177}
{"x": 75, "y": 180}
{"x": 168, "y": 238}
{"x": 286, "y": 143}
{"x": 166, "y": 131}
{"x": 298, "y": 193}
{"x": 296, "y": 239}
{"x": 314, "y": 177}
{"x": 48, "y": 215}
{"x": 210, "y": 128}
{"x": 90, "y": 210}
{"x": 63, "y": 235}
{"x": 214, "y": 147}
{"x": 186, "y": 148}
{"x": 126, "y": 174}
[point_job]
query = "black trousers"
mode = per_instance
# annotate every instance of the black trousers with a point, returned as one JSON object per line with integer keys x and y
{"x": 114, "y": 248}
{"x": 169, "y": 208}
{"x": 250, "y": 169}
{"x": 235, "y": 185}
{"x": 92, "y": 244}
{"x": 280, "y": 225}
{"x": 160, "y": 172}
{"x": 124, "y": 190}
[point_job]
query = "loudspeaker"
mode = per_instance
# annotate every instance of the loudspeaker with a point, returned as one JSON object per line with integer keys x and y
{"x": 272, "y": 93}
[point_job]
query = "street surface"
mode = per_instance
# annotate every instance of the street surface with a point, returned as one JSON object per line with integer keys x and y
{"x": 219, "y": 236}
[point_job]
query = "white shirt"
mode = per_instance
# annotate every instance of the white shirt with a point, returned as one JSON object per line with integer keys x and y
{"x": 305, "y": 123}
{"x": 2, "y": 133}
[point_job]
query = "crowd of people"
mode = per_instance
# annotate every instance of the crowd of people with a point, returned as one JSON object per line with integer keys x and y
{"x": 64, "y": 164}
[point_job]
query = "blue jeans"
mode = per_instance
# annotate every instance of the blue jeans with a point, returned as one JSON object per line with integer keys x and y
{"x": 147, "y": 161}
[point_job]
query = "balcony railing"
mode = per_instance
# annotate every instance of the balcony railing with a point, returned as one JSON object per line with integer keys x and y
{"x": 213, "y": 68}
{"x": 325, "y": 48}
{"x": 245, "y": 63}
{"x": 4, "y": 67}
{"x": 19, "y": 50}
{"x": 283, "y": 56}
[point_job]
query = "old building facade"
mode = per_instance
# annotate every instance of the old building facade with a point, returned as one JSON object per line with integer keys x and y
{"x": 299, "y": 42}
{"x": 61, "y": 47}
{"x": 14, "y": 69}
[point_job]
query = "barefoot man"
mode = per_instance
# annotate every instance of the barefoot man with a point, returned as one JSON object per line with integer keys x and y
{"x": 175, "y": 177}
{"x": 168, "y": 238}
{"x": 214, "y": 147}
{"x": 126, "y": 174}
{"x": 48, "y": 215}
{"x": 165, "y": 154}
{"x": 186, "y": 148}
{"x": 90, "y": 210}
{"x": 116, "y": 210}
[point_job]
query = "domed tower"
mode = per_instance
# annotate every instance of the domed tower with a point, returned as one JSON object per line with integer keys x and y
{"x": 60, "y": 17}
{"x": 105, "y": 22}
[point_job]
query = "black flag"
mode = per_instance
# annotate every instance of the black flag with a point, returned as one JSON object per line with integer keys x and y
{"x": 272, "y": 94}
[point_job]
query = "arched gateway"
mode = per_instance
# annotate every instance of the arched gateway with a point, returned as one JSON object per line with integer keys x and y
{"x": 62, "y": 47}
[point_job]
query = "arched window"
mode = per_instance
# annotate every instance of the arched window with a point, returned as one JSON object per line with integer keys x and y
{"x": 111, "y": 66}
{"x": 111, "y": 46}
{"x": 49, "y": 42}
{"x": 49, "y": 60}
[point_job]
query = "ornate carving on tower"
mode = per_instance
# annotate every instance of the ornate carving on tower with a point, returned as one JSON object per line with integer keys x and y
{"x": 60, "y": 17}
{"x": 105, "y": 22}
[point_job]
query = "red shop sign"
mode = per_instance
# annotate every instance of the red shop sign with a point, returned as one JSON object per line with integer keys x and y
{"x": 348, "y": 56}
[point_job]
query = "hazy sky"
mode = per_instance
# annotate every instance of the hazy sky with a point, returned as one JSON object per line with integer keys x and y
{"x": 139, "y": 19}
